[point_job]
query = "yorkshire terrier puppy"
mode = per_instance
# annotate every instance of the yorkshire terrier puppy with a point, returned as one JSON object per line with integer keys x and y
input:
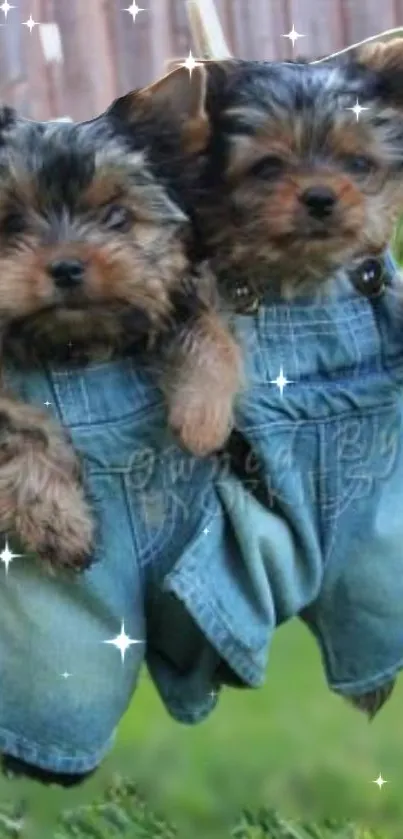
{"x": 94, "y": 265}
{"x": 293, "y": 183}
{"x": 299, "y": 185}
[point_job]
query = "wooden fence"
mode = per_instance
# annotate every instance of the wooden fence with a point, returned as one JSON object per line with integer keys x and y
{"x": 84, "y": 53}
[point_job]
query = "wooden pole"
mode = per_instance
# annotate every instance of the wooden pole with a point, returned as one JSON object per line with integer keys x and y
{"x": 206, "y": 29}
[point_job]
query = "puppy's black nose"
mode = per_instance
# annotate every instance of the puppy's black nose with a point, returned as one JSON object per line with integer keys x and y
{"x": 319, "y": 200}
{"x": 67, "y": 273}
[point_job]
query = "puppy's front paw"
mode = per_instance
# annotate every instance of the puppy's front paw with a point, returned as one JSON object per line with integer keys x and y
{"x": 202, "y": 422}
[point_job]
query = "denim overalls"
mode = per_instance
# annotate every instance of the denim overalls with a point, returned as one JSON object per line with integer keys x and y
{"x": 191, "y": 563}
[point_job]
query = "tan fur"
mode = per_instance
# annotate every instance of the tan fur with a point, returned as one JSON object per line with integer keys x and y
{"x": 186, "y": 94}
{"x": 136, "y": 285}
{"x": 386, "y": 55}
{"x": 41, "y": 498}
{"x": 203, "y": 373}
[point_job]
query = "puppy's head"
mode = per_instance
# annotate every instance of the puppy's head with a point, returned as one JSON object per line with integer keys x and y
{"x": 298, "y": 180}
{"x": 89, "y": 224}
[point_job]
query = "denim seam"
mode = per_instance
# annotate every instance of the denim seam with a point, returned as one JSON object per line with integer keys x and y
{"x": 360, "y": 376}
{"x": 284, "y": 424}
{"x": 367, "y": 684}
{"x": 322, "y": 490}
{"x": 214, "y": 626}
{"x": 54, "y": 392}
{"x": 138, "y": 553}
{"x": 146, "y": 554}
{"x": 65, "y": 391}
{"x": 135, "y": 415}
{"x": 51, "y": 757}
{"x": 181, "y": 714}
{"x": 194, "y": 585}
{"x": 344, "y": 314}
{"x": 293, "y": 338}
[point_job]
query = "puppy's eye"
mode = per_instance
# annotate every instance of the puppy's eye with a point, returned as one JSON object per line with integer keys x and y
{"x": 359, "y": 164}
{"x": 12, "y": 224}
{"x": 268, "y": 167}
{"x": 118, "y": 218}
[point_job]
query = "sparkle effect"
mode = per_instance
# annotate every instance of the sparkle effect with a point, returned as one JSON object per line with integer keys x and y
{"x": 357, "y": 109}
{"x": 133, "y": 10}
{"x": 66, "y": 675}
{"x": 122, "y": 642}
{"x": 190, "y": 63}
{"x": 281, "y": 382}
{"x": 30, "y": 23}
{"x": 293, "y": 36}
{"x": 47, "y": 403}
{"x": 380, "y": 782}
{"x": 5, "y": 8}
{"x": 7, "y": 556}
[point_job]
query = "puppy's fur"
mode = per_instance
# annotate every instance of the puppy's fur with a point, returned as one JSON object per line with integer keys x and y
{"x": 94, "y": 265}
{"x": 294, "y": 186}
{"x": 291, "y": 186}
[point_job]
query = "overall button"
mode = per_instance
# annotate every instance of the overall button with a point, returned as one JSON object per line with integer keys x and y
{"x": 369, "y": 278}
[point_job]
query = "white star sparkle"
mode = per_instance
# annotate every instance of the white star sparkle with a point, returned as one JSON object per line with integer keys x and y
{"x": 293, "y": 36}
{"x": 190, "y": 63}
{"x": 133, "y": 10}
{"x": 206, "y": 531}
{"x": 65, "y": 675}
{"x": 357, "y": 109}
{"x": 380, "y": 782}
{"x": 281, "y": 382}
{"x": 7, "y": 556}
{"x": 122, "y": 642}
{"x": 5, "y": 7}
{"x": 47, "y": 403}
{"x": 30, "y": 23}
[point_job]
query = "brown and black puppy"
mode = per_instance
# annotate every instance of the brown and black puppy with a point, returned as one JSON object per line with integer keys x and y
{"x": 94, "y": 265}
{"x": 294, "y": 185}
{"x": 294, "y": 181}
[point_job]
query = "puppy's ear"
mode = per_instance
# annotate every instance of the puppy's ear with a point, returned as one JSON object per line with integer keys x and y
{"x": 182, "y": 96}
{"x": 179, "y": 94}
{"x": 184, "y": 93}
{"x": 385, "y": 61}
{"x": 190, "y": 96}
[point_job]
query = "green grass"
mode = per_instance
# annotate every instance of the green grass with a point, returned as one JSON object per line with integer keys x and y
{"x": 290, "y": 748}
{"x": 122, "y": 814}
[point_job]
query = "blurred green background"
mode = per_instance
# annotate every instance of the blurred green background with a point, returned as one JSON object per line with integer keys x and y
{"x": 291, "y": 746}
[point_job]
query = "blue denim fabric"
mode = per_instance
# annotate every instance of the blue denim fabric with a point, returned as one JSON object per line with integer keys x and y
{"x": 190, "y": 560}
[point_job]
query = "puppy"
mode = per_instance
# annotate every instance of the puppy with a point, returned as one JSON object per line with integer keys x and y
{"x": 94, "y": 265}
{"x": 300, "y": 176}
{"x": 297, "y": 184}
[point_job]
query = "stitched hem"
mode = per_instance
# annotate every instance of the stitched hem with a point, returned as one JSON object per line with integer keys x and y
{"x": 249, "y": 665}
{"x": 360, "y": 686}
{"x": 51, "y": 758}
{"x": 189, "y": 716}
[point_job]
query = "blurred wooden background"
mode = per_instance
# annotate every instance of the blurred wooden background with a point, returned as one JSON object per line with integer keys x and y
{"x": 84, "y": 53}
